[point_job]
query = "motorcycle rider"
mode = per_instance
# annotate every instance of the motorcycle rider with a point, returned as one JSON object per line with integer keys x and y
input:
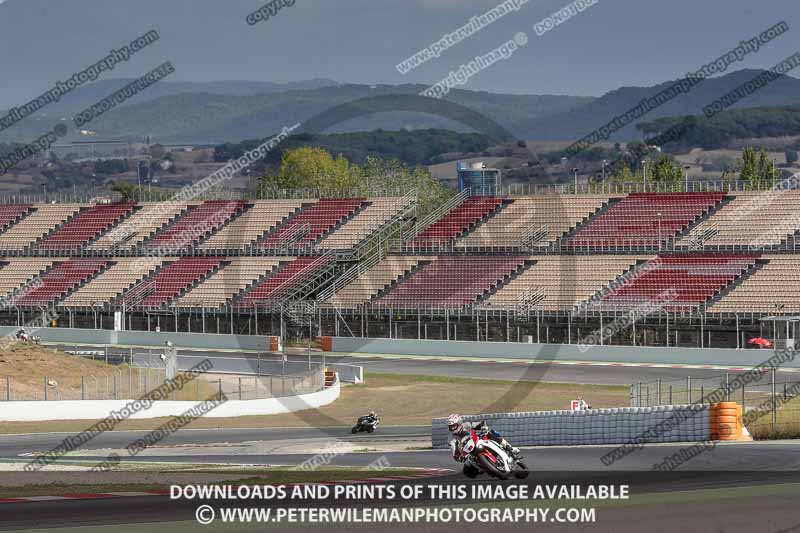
{"x": 460, "y": 429}
{"x": 370, "y": 418}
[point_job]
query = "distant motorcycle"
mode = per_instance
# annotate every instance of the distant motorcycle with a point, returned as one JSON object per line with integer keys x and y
{"x": 366, "y": 423}
{"x": 483, "y": 455}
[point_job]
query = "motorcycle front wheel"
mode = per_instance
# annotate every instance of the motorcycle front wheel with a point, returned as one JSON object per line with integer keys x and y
{"x": 488, "y": 467}
{"x": 521, "y": 471}
{"x": 354, "y": 430}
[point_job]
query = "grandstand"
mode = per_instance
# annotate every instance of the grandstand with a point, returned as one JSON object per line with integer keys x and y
{"x": 550, "y": 265}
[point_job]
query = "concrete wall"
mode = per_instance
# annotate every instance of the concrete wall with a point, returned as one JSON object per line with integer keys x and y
{"x": 146, "y": 339}
{"x": 594, "y": 426}
{"x": 554, "y": 352}
{"x": 99, "y": 409}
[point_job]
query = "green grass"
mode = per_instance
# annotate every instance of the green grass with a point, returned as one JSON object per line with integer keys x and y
{"x": 399, "y": 399}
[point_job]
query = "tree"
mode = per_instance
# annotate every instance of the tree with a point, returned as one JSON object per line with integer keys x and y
{"x": 666, "y": 170}
{"x": 749, "y": 167}
{"x": 127, "y": 190}
{"x": 393, "y": 174}
{"x": 313, "y": 168}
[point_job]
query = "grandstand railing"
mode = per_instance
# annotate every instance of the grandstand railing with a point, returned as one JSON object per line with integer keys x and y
{"x": 437, "y": 214}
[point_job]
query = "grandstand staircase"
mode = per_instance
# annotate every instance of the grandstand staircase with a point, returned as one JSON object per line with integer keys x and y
{"x": 16, "y": 220}
{"x": 400, "y": 279}
{"x": 378, "y": 242}
{"x": 31, "y": 249}
{"x": 214, "y": 270}
{"x": 526, "y": 264}
{"x": 321, "y": 271}
{"x": 277, "y": 227}
{"x": 298, "y": 234}
{"x": 236, "y": 214}
{"x": 77, "y": 286}
{"x": 146, "y": 284}
{"x": 435, "y": 215}
{"x": 136, "y": 208}
{"x": 619, "y": 281}
{"x": 253, "y": 244}
{"x": 271, "y": 272}
{"x": 684, "y": 234}
{"x": 478, "y": 223}
{"x": 341, "y": 222}
{"x": 559, "y": 242}
{"x": 165, "y": 226}
{"x": 726, "y": 290}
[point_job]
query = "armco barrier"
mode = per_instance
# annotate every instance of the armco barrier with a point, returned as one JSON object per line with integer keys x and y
{"x": 555, "y": 352}
{"x": 25, "y": 411}
{"x": 593, "y": 426}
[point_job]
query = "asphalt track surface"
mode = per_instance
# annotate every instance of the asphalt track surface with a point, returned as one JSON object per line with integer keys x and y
{"x": 248, "y": 363}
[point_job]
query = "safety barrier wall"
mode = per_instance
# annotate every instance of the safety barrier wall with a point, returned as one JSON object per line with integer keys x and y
{"x": 26, "y": 411}
{"x": 555, "y": 352}
{"x": 348, "y": 373}
{"x": 681, "y": 423}
{"x": 100, "y": 337}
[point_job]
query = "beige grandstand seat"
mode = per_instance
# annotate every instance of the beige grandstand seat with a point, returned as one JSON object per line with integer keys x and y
{"x": 379, "y": 212}
{"x": 114, "y": 281}
{"x": 37, "y": 225}
{"x": 20, "y": 271}
{"x": 775, "y": 283}
{"x": 138, "y": 227}
{"x": 366, "y": 286}
{"x": 549, "y": 215}
{"x": 229, "y": 281}
{"x": 762, "y": 218}
{"x": 564, "y": 281}
{"x": 252, "y": 224}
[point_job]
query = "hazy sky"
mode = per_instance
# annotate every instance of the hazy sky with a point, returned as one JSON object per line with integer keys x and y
{"x": 611, "y": 44}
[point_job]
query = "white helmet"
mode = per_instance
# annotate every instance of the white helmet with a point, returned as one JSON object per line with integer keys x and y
{"x": 454, "y": 423}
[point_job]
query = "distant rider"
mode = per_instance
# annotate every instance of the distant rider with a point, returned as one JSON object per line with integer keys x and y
{"x": 460, "y": 429}
{"x": 371, "y": 417}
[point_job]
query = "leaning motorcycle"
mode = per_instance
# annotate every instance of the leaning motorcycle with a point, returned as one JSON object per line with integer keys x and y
{"x": 364, "y": 423}
{"x": 480, "y": 455}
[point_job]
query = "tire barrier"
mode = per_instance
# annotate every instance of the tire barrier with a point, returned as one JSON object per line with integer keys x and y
{"x": 666, "y": 423}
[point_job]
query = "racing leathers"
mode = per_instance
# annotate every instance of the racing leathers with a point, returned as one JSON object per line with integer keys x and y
{"x": 481, "y": 428}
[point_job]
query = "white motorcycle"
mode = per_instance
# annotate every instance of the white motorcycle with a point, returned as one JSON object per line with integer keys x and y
{"x": 481, "y": 454}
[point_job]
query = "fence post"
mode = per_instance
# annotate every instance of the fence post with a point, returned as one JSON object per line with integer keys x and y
{"x": 702, "y": 394}
{"x": 670, "y": 394}
{"x": 115, "y": 386}
{"x": 774, "y": 401}
{"x": 688, "y": 390}
{"x": 240, "y": 388}
{"x": 727, "y": 387}
{"x": 659, "y": 391}
{"x": 743, "y": 387}
{"x": 83, "y": 389}
{"x": 219, "y": 383}
{"x": 45, "y": 388}
{"x": 8, "y": 388}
